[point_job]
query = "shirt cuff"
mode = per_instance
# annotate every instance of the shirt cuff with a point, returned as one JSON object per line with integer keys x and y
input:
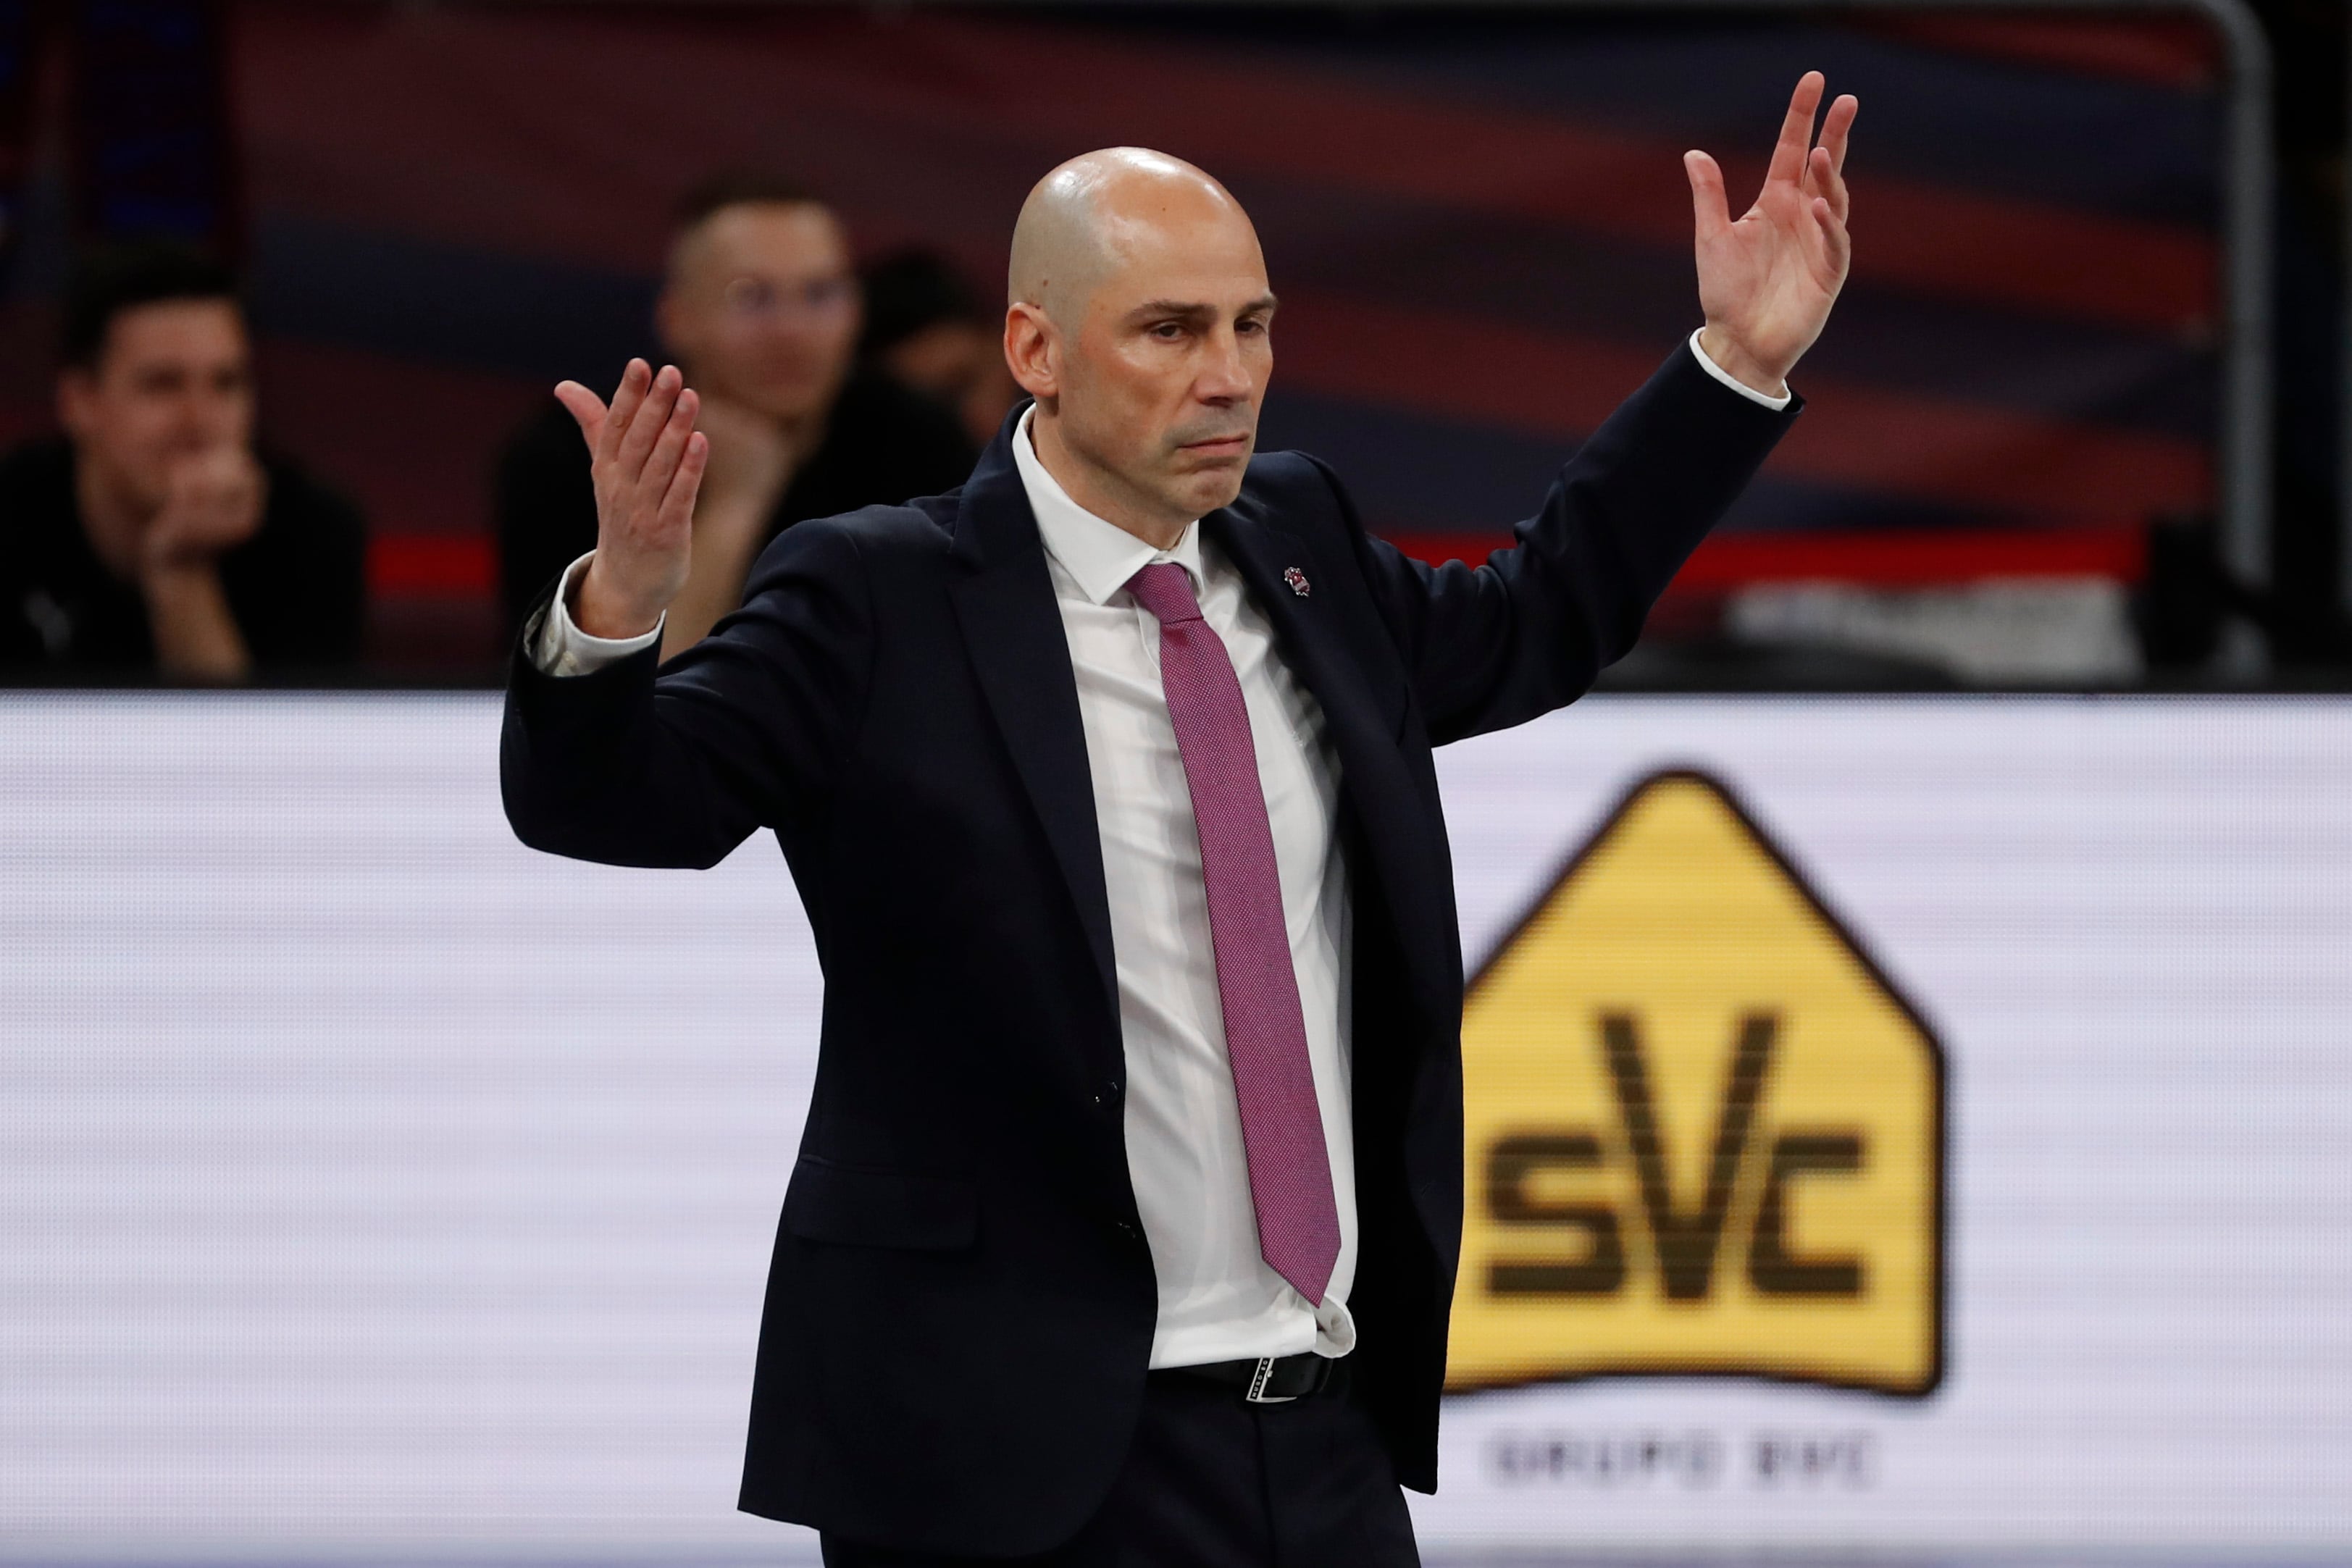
{"x": 558, "y": 646}
{"x": 1735, "y": 383}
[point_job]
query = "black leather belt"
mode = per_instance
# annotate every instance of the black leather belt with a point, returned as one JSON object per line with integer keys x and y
{"x": 1271, "y": 1379}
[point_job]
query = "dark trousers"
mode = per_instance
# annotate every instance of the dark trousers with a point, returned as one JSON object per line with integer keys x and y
{"x": 1214, "y": 1482}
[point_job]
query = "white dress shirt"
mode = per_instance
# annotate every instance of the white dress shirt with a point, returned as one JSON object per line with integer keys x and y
{"x": 1218, "y": 1299}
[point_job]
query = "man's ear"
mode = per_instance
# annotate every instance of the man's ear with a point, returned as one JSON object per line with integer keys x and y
{"x": 76, "y": 397}
{"x": 1033, "y": 350}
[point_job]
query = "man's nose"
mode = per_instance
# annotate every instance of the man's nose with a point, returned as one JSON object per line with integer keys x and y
{"x": 1225, "y": 376}
{"x": 206, "y": 419}
{"x": 192, "y": 419}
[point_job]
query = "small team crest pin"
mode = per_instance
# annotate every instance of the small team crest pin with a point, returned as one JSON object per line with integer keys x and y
{"x": 1297, "y": 581}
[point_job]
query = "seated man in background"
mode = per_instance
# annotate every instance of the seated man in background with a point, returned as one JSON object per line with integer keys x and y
{"x": 926, "y": 328}
{"x": 760, "y": 305}
{"x": 151, "y": 539}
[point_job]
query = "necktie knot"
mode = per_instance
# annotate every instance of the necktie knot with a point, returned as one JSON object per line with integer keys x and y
{"x": 1164, "y": 589}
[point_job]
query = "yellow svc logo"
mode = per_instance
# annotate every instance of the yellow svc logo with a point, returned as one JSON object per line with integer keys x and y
{"x": 1705, "y": 1131}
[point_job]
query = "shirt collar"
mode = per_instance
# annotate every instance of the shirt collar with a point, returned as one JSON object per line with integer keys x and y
{"x": 1100, "y": 556}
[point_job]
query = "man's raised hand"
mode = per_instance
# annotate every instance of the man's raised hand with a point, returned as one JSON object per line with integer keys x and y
{"x": 647, "y": 459}
{"x": 1766, "y": 281}
{"x": 213, "y": 503}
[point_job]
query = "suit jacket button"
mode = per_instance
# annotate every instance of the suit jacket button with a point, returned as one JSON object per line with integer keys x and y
{"x": 1125, "y": 1228}
{"x": 1108, "y": 1094}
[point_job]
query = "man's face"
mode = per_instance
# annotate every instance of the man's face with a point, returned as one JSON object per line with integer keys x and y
{"x": 762, "y": 307}
{"x": 1161, "y": 382}
{"x": 171, "y": 380}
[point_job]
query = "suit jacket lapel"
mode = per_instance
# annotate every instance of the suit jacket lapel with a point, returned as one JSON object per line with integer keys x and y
{"x": 1013, "y": 633}
{"x": 1263, "y": 553}
{"x": 1414, "y": 868}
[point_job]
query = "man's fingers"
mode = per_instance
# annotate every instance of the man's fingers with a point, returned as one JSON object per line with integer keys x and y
{"x": 1821, "y": 179}
{"x": 1825, "y": 166}
{"x": 586, "y": 407}
{"x": 1797, "y": 129}
{"x": 646, "y": 424}
{"x": 1837, "y": 125}
{"x": 678, "y": 501}
{"x": 670, "y": 446}
{"x": 1707, "y": 206}
{"x": 1837, "y": 246}
{"x": 626, "y": 399}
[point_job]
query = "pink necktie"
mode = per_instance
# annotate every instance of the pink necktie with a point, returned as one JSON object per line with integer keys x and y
{"x": 1266, "y": 1032}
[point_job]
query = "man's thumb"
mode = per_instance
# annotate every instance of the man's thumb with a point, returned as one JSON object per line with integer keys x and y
{"x": 586, "y": 407}
{"x": 1709, "y": 209}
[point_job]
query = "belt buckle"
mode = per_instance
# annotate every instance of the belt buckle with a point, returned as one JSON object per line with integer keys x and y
{"x": 1257, "y": 1393}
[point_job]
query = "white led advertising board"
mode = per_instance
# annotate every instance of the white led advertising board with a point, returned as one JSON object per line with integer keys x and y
{"x": 1897, "y": 1130}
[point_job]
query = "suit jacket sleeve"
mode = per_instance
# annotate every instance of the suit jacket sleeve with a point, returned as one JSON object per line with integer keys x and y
{"x": 743, "y": 730}
{"x": 1497, "y": 645}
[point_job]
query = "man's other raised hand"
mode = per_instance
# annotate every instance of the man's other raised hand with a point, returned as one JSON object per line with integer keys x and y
{"x": 647, "y": 460}
{"x": 1766, "y": 281}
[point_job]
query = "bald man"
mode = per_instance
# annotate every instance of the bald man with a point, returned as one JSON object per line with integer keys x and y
{"x": 1126, "y": 1216}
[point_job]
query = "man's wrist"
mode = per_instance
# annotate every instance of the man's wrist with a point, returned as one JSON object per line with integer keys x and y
{"x": 176, "y": 576}
{"x": 601, "y": 613}
{"x": 1736, "y": 362}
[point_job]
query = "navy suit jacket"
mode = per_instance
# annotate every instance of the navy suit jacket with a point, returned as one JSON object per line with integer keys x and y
{"x": 960, "y": 1304}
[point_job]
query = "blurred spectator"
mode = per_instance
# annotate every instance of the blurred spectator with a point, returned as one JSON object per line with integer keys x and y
{"x": 151, "y": 539}
{"x": 761, "y": 311}
{"x": 926, "y": 327}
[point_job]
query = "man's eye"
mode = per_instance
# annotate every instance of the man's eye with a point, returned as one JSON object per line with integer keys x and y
{"x": 748, "y": 295}
{"x": 1167, "y": 332}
